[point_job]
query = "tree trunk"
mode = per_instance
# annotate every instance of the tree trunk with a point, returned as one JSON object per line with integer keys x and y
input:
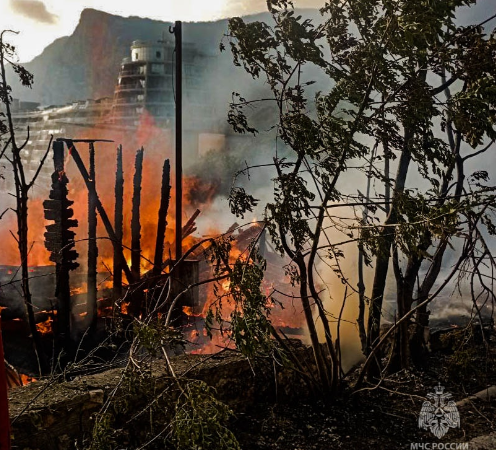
{"x": 137, "y": 297}
{"x": 22, "y": 224}
{"x": 382, "y": 262}
{"x": 4, "y": 399}
{"x": 322, "y": 370}
{"x": 135, "y": 219}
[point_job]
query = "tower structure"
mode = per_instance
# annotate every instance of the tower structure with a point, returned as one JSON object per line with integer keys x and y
{"x": 146, "y": 83}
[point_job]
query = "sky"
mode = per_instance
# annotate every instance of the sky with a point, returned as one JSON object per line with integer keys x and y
{"x": 40, "y": 22}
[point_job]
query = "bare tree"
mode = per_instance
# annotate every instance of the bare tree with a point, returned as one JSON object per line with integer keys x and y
{"x": 13, "y": 152}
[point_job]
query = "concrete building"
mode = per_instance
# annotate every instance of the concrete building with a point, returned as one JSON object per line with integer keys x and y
{"x": 146, "y": 83}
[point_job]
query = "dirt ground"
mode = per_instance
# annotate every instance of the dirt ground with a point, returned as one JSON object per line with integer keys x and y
{"x": 386, "y": 416}
{"x": 383, "y": 416}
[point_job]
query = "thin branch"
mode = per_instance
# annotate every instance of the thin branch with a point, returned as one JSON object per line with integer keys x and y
{"x": 478, "y": 152}
{"x": 42, "y": 162}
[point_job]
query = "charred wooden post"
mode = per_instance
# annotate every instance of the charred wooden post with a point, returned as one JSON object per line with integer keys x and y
{"x": 91, "y": 298}
{"x": 185, "y": 276}
{"x": 162, "y": 219}
{"x": 101, "y": 210}
{"x": 190, "y": 226}
{"x": 59, "y": 240}
{"x": 135, "y": 218}
{"x": 118, "y": 225}
{"x": 137, "y": 298}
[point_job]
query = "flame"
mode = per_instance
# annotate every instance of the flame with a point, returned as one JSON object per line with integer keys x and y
{"x": 188, "y": 310}
{"x": 46, "y": 327}
{"x": 125, "y": 307}
{"x": 80, "y": 290}
{"x": 27, "y": 379}
{"x": 197, "y": 194}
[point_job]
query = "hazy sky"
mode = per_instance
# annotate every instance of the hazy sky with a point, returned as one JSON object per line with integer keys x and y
{"x": 40, "y": 22}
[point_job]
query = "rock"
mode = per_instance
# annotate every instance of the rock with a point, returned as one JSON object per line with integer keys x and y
{"x": 484, "y": 395}
{"x": 487, "y": 442}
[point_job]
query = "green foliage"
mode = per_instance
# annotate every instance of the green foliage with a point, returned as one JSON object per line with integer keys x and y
{"x": 250, "y": 325}
{"x": 155, "y": 335}
{"x": 102, "y": 437}
{"x": 165, "y": 414}
{"x": 398, "y": 80}
{"x": 8, "y": 56}
{"x": 240, "y": 202}
{"x": 462, "y": 365}
{"x": 242, "y": 289}
{"x": 199, "y": 419}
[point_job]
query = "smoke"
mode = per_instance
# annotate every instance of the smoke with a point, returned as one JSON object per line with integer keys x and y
{"x": 35, "y": 10}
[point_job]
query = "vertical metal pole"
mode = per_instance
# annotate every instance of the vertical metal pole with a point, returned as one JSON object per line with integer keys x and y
{"x": 118, "y": 225}
{"x": 179, "y": 137}
{"x": 91, "y": 297}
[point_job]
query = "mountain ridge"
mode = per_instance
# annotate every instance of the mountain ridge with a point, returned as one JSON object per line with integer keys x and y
{"x": 86, "y": 63}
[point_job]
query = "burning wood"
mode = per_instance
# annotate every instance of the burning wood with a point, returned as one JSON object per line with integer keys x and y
{"x": 45, "y": 327}
{"x": 162, "y": 219}
{"x": 16, "y": 379}
{"x": 60, "y": 241}
{"x": 189, "y": 311}
{"x": 190, "y": 226}
{"x": 101, "y": 210}
{"x": 135, "y": 220}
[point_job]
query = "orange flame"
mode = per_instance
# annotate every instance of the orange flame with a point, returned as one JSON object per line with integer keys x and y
{"x": 26, "y": 379}
{"x": 46, "y": 327}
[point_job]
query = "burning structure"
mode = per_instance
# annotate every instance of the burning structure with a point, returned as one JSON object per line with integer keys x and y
{"x": 137, "y": 257}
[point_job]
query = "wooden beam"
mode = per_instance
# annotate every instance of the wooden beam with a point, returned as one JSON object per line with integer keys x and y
{"x": 162, "y": 219}
{"x": 135, "y": 217}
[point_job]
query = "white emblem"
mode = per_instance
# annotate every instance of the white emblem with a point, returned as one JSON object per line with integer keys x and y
{"x": 439, "y": 415}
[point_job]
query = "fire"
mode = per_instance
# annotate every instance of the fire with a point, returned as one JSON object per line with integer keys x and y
{"x": 45, "y": 327}
{"x": 80, "y": 290}
{"x": 27, "y": 379}
{"x": 125, "y": 307}
{"x": 38, "y": 255}
{"x": 214, "y": 345}
{"x": 188, "y": 310}
{"x": 197, "y": 194}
